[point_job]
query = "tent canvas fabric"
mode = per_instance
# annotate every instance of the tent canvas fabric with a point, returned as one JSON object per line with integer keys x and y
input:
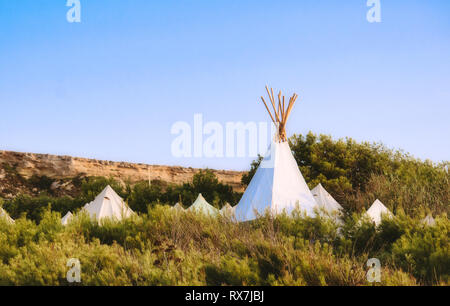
{"x": 108, "y": 204}
{"x": 4, "y": 214}
{"x": 200, "y": 205}
{"x": 66, "y": 219}
{"x": 277, "y": 186}
{"x": 376, "y": 211}
{"x": 177, "y": 207}
{"x": 324, "y": 200}
{"x": 227, "y": 210}
{"x": 429, "y": 220}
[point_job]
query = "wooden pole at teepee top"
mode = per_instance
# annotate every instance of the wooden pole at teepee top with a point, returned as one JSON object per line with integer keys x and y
{"x": 268, "y": 109}
{"x": 281, "y": 112}
{"x": 273, "y": 105}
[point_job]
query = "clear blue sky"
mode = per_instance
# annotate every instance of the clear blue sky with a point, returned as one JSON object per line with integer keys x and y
{"x": 112, "y": 86}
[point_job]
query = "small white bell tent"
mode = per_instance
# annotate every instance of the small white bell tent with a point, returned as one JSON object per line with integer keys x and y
{"x": 377, "y": 210}
{"x": 429, "y": 220}
{"x": 177, "y": 207}
{"x": 324, "y": 200}
{"x": 278, "y": 185}
{"x": 227, "y": 210}
{"x": 200, "y": 205}
{"x": 66, "y": 219}
{"x": 108, "y": 204}
{"x": 4, "y": 215}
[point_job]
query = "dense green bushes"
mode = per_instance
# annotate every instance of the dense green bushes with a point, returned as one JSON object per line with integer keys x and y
{"x": 425, "y": 251}
{"x": 33, "y": 207}
{"x": 204, "y": 182}
{"x": 356, "y": 174}
{"x": 166, "y": 247}
{"x": 138, "y": 196}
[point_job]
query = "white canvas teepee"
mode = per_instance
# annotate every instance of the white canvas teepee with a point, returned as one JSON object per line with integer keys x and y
{"x": 377, "y": 210}
{"x": 227, "y": 210}
{"x": 324, "y": 200}
{"x": 108, "y": 204}
{"x": 429, "y": 220}
{"x": 177, "y": 207}
{"x": 200, "y": 205}
{"x": 278, "y": 184}
{"x": 4, "y": 214}
{"x": 66, "y": 219}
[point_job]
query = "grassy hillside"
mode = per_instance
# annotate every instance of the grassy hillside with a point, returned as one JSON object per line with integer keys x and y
{"x": 162, "y": 247}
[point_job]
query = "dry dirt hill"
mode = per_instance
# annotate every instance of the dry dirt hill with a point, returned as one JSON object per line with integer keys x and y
{"x": 16, "y": 169}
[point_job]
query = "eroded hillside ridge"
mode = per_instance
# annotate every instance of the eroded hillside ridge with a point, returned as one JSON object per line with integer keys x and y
{"x": 60, "y": 167}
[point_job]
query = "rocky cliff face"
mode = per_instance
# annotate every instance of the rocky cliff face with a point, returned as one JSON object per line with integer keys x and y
{"x": 61, "y": 167}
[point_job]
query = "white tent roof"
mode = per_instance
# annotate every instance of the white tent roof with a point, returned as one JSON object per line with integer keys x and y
{"x": 178, "y": 207}
{"x": 227, "y": 206}
{"x": 324, "y": 200}
{"x": 227, "y": 210}
{"x": 277, "y": 186}
{"x": 429, "y": 220}
{"x": 4, "y": 214}
{"x": 200, "y": 205}
{"x": 65, "y": 220}
{"x": 377, "y": 210}
{"x": 108, "y": 204}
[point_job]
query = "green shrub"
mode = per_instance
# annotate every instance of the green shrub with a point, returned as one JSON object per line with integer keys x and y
{"x": 425, "y": 251}
{"x": 356, "y": 174}
{"x": 166, "y": 247}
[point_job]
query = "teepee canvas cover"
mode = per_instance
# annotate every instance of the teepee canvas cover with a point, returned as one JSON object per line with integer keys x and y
{"x": 277, "y": 185}
{"x": 324, "y": 200}
{"x": 429, "y": 220}
{"x": 377, "y": 210}
{"x": 65, "y": 220}
{"x": 4, "y": 214}
{"x": 108, "y": 204}
{"x": 227, "y": 210}
{"x": 177, "y": 207}
{"x": 200, "y": 205}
